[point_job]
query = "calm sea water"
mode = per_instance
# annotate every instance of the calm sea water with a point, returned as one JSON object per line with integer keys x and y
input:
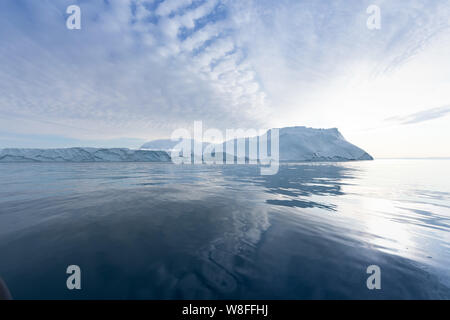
{"x": 162, "y": 231}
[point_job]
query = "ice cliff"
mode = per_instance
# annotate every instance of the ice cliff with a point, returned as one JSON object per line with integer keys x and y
{"x": 82, "y": 155}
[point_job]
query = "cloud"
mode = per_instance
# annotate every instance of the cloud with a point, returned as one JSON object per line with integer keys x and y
{"x": 134, "y": 72}
{"x": 169, "y": 6}
{"x": 422, "y": 116}
{"x": 142, "y": 68}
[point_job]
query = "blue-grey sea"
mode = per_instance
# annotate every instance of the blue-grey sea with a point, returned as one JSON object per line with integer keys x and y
{"x": 164, "y": 231}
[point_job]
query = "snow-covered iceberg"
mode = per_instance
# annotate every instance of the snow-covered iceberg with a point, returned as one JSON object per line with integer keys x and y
{"x": 295, "y": 144}
{"x": 308, "y": 144}
{"x": 82, "y": 155}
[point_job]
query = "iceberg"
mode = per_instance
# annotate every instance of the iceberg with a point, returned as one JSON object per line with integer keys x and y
{"x": 295, "y": 144}
{"x": 309, "y": 144}
{"x": 82, "y": 155}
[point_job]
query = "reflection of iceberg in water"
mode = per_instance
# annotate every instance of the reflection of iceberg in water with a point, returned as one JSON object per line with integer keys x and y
{"x": 296, "y": 185}
{"x": 229, "y": 259}
{"x": 236, "y": 225}
{"x": 230, "y": 255}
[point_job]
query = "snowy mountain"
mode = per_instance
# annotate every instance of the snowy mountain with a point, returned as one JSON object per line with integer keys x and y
{"x": 82, "y": 155}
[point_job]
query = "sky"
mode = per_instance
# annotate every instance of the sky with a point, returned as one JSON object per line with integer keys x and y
{"x": 139, "y": 69}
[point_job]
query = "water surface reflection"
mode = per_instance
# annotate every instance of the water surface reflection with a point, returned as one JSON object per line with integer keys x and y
{"x": 160, "y": 231}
